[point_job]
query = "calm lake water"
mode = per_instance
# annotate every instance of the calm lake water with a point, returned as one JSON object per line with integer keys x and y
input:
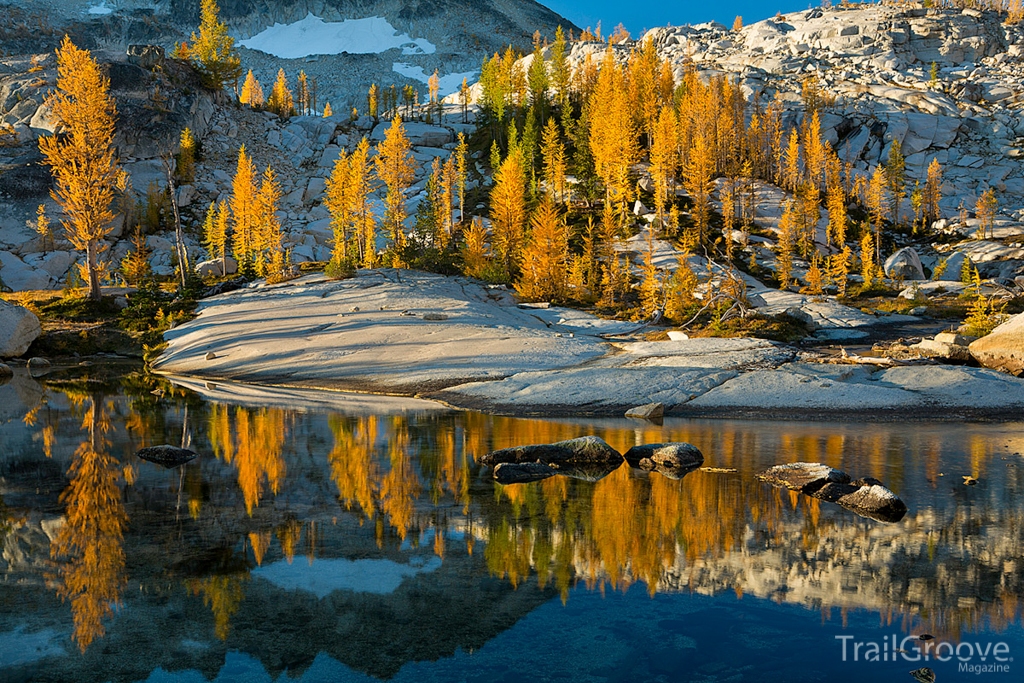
{"x": 333, "y": 539}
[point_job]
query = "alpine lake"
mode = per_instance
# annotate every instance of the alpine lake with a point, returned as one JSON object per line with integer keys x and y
{"x": 331, "y": 537}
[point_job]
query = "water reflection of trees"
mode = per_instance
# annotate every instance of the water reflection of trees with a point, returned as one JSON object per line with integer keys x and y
{"x": 707, "y": 532}
{"x": 90, "y": 543}
{"x": 252, "y": 442}
{"x": 414, "y": 478}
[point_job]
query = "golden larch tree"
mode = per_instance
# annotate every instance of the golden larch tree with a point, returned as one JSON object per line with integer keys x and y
{"x": 543, "y": 268}
{"x": 837, "y": 221}
{"x": 462, "y": 173}
{"x": 210, "y": 240}
{"x": 81, "y": 157}
{"x": 877, "y": 206}
{"x": 553, "y": 155}
{"x": 612, "y": 136}
{"x": 985, "y": 210}
{"x": 508, "y": 212}
{"x": 664, "y": 160}
{"x": 270, "y": 259}
{"x": 339, "y": 203}
{"x": 213, "y": 50}
{"x": 651, "y": 294}
{"x": 786, "y": 244}
{"x": 244, "y": 209}
{"x": 186, "y": 166}
{"x": 791, "y": 165}
{"x": 446, "y": 211}
{"x": 252, "y": 92}
{"x": 868, "y": 267}
{"x": 395, "y": 168}
{"x": 281, "y": 101}
{"x": 933, "y": 192}
{"x": 697, "y": 178}
{"x": 475, "y": 256}
{"x": 364, "y": 221}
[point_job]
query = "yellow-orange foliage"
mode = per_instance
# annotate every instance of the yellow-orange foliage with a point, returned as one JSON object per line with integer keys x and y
{"x": 82, "y": 158}
{"x": 664, "y": 160}
{"x": 543, "y": 268}
{"x": 252, "y": 91}
{"x": 553, "y": 155}
{"x": 508, "y": 212}
{"x": 269, "y": 250}
{"x": 223, "y": 594}
{"x": 253, "y": 447}
{"x": 697, "y": 177}
{"x": 475, "y": 256}
{"x": 280, "y": 101}
{"x": 612, "y": 136}
{"x": 353, "y": 467}
{"x": 244, "y": 208}
{"x": 90, "y": 542}
{"x": 395, "y": 168}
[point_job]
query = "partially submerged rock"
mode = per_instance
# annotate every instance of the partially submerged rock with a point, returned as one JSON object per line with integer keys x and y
{"x": 671, "y": 459}
{"x": 866, "y": 497}
{"x": 875, "y": 501}
{"x": 1003, "y": 349}
{"x": 803, "y": 476}
{"x": 590, "y": 450}
{"x": 19, "y": 327}
{"x": 168, "y": 456}
{"x": 522, "y": 472}
{"x": 649, "y": 411}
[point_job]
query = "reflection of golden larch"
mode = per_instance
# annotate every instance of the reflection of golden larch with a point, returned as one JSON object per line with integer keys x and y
{"x": 90, "y": 542}
{"x": 260, "y": 542}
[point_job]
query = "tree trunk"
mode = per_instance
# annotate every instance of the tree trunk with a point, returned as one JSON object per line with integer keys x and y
{"x": 93, "y": 272}
{"x": 179, "y": 237}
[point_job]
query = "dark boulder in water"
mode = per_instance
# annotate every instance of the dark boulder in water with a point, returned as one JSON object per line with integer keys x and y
{"x": 586, "y": 450}
{"x": 677, "y": 457}
{"x": 168, "y": 456}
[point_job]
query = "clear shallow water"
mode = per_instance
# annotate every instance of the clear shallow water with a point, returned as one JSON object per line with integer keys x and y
{"x": 363, "y": 542}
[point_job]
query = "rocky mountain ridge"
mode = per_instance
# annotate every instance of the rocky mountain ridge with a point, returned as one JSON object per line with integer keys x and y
{"x": 462, "y": 33}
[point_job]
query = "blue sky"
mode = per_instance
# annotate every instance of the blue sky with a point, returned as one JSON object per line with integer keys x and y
{"x": 640, "y": 14}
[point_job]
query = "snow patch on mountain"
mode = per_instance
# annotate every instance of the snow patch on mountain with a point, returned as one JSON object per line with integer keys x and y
{"x": 314, "y": 36}
{"x": 449, "y": 84}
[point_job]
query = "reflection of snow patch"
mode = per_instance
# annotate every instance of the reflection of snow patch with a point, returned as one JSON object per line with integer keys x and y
{"x": 314, "y": 36}
{"x": 323, "y": 577}
{"x": 449, "y": 84}
{"x": 100, "y": 8}
{"x": 18, "y": 648}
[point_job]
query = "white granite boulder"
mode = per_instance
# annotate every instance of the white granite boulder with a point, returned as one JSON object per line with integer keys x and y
{"x": 1003, "y": 349}
{"x": 19, "y": 327}
{"x": 905, "y": 264}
